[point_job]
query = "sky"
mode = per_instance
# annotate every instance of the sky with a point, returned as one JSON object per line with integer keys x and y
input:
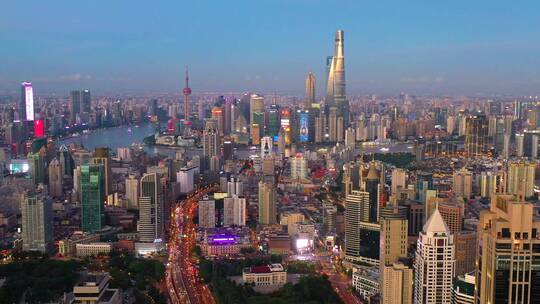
{"x": 418, "y": 47}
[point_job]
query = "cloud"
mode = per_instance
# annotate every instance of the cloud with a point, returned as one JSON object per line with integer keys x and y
{"x": 422, "y": 80}
{"x": 75, "y": 77}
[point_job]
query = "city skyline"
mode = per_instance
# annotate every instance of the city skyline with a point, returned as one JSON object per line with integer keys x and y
{"x": 419, "y": 49}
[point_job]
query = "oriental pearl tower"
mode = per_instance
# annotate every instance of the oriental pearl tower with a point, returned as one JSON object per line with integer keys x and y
{"x": 186, "y": 92}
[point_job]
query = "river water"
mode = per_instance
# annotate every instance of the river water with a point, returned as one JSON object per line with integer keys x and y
{"x": 125, "y": 136}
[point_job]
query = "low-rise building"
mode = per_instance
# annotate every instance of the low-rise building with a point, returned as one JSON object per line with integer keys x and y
{"x": 463, "y": 289}
{"x": 93, "y": 249}
{"x": 269, "y": 275}
{"x": 67, "y": 247}
{"x": 94, "y": 288}
{"x": 224, "y": 241}
{"x": 366, "y": 281}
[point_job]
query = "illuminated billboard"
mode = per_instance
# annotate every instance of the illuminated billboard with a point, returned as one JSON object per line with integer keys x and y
{"x": 19, "y": 166}
{"x": 39, "y": 128}
{"x": 304, "y": 127}
{"x": 29, "y": 100}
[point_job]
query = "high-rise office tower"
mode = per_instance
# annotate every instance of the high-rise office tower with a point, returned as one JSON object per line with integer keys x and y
{"x": 299, "y": 168}
{"x": 462, "y": 183}
{"x": 339, "y": 129}
{"x": 521, "y": 177}
{"x": 273, "y": 125}
{"x": 452, "y": 213}
{"x": 424, "y": 182}
{"x": 132, "y": 192}
{"x": 227, "y": 116}
{"x": 37, "y": 222}
{"x": 210, "y": 141}
{"x": 101, "y": 156}
{"x": 332, "y": 124}
{"x": 508, "y": 261}
{"x": 476, "y": 135}
{"x": 310, "y": 91}
{"x": 207, "y": 213}
{"x": 398, "y": 285}
{"x": 393, "y": 241}
{"x": 86, "y": 105}
{"x": 26, "y": 104}
{"x": 399, "y": 179}
{"x": 520, "y": 144}
{"x": 350, "y": 137}
{"x": 356, "y": 211}
{"x": 329, "y": 217}
{"x": 373, "y": 187}
{"x": 66, "y": 161}
{"x": 37, "y": 169}
{"x": 217, "y": 115}
{"x": 151, "y": 224}
{"x": 235, "y": 187}
{"x": 56, "y": 178}
{"x": 394, "y": 234}
{"x": 234, "y": 209}
{"x": 335, "y": 88}
{"x": 186, "y": 92}
{"x": 319, "y": 129}
{"x": 75, "y": 105}
{"x": 267, "y": 204}
{"x": 256, "y": 107}
{"x": 92, "y": 188}
{"x": 434, "y": 265}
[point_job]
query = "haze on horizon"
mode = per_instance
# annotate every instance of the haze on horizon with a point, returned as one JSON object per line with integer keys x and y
{"x": 480, "y": 47}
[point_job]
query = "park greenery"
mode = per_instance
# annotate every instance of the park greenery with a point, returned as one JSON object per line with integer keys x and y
{"x": 128, "y": 271}
{"x": 38, "y": 280}
{"x": 398, "y": 159}
{"x": 310, "y": 289}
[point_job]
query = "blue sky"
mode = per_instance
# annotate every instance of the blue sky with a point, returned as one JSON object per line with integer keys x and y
{"x": 420, "y": 47}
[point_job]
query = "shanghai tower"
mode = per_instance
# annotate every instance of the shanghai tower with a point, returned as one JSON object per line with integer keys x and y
{"x": 335, "y": 89}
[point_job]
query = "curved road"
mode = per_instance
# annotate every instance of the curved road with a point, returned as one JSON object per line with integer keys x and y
{"x": 182, "y": 278}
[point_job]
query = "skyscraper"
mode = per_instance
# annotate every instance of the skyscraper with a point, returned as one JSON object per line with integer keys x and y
{"x": 186, "y": 92}
{"x": 210, "y": 142}
{"x": 151, "y": 224}
{"x": 75, "y": 105}
{"x": 207, "y": 213}
{"x": 267, "y": 204}
{"x": 521, "y": 177}
{"x": 37, "y": 221}
{"x": 234, "y": 209}
{"x": 299, "y": 168}
{"x": 462, "y": 183}
{"x": 356, "y": 211}
{"x": 393, "y": 244}
{"x": 476, "y": 135}
{"x": 398, "y": 285}
{"x": 26, "y": 105}
{"x": 310, "y": 91}
{"x": 101, "y": 156}
{"x": 92, "y": 187}
{"x": 372, "y": 186}
{"x": 37, "y": 169}
{"x": 132, "y": 192}
{"x": 508, "y": 261}
{"x": 335, "y": 88}
{"x": 56, "y": 178}
{"x": 434, "y": 265}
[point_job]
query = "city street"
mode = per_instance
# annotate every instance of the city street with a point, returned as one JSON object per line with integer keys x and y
{"x": 182, "y": 279}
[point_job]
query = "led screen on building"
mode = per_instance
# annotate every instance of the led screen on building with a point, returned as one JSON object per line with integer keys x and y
{"x": 304, "y": 127}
